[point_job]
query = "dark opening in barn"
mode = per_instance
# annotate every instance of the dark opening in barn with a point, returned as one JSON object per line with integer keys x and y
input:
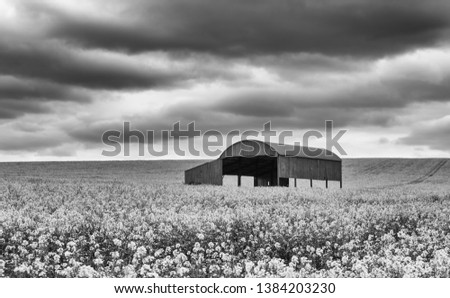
{"x": 269, "y": 164}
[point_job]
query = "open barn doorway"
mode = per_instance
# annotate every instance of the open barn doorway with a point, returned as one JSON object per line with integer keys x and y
{"x": 263, "y": 169}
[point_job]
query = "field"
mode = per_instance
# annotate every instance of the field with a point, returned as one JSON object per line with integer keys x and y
{"x": 137, "y": 219}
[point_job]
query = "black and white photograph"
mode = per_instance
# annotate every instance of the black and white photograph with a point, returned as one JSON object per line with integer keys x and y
{"x": 182, "y": 140}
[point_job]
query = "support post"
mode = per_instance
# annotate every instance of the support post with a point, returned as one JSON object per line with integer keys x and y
{"x": 295, "y": 182}
{"x": 278, "y": 171}
{"x": 239, "y": 180}
{"x": 340, "y": 182}
{"x": 326, "y": 183}
{"x": 310, "y": 177}
{"x": 255, "y": 178}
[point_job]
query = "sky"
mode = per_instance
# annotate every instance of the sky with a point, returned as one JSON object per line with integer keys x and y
{"x": 71, "y": 70}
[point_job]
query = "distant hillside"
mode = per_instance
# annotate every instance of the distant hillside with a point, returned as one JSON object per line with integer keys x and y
{"x": 357, "y": 173}
{"x": 164, "y": 171}
{"x": 392, "y": 171}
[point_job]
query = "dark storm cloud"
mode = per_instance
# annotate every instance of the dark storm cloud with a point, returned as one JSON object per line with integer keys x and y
{"x": 335, "y": 103}
{"x": 434, "y": 135}
{"x": 231, "y": 64}
{"x": 262, "y": 105}
{"x": 411, "y": 90}
{"x": 11, "y": 109}
{"x": 56, "y": 63}
{"x": 19, "y": 96}
{"x": 36, "y": 71}
{"x": 91, "y": 135}
{"x": 91, "y": 132}
{"x": 18, "y": 140}
{"x": 235, "y": 27}
{"x": 369, "y": 102}
{"x": 302, "y": 65}
{"x": 23, "y": 89}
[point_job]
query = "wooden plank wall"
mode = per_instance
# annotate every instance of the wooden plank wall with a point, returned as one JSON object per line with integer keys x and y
{"x": 305, "y": 168}
{"x": 208, "y": 173}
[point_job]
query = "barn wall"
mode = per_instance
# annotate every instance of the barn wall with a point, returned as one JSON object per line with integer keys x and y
{"x": 305, "y": 168}
{"x": 208, "y": 173}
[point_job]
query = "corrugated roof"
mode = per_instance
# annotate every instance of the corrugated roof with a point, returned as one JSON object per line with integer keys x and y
{"x": 292, "y": 150}
{"x": 302, "y": 151}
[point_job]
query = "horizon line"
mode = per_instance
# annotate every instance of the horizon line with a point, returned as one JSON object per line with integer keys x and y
{"x": 195, "y": 159}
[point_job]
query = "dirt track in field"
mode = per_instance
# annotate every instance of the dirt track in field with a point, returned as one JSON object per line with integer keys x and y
{"x": 430, "y": 173}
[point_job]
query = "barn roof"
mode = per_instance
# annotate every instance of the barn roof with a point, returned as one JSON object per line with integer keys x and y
{"x": 272, "y": 149}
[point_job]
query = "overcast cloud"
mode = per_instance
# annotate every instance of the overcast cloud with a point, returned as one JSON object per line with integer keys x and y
{"x": 71, "y": 70}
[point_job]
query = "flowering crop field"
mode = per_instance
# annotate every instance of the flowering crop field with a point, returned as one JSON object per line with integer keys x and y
{"x": 137, "y": 219}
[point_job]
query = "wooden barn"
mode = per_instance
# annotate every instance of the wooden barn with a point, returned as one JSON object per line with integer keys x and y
{"x": 270, "y": 164}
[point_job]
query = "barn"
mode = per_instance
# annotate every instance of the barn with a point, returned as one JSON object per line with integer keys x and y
{"x": 270, "y": 164}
